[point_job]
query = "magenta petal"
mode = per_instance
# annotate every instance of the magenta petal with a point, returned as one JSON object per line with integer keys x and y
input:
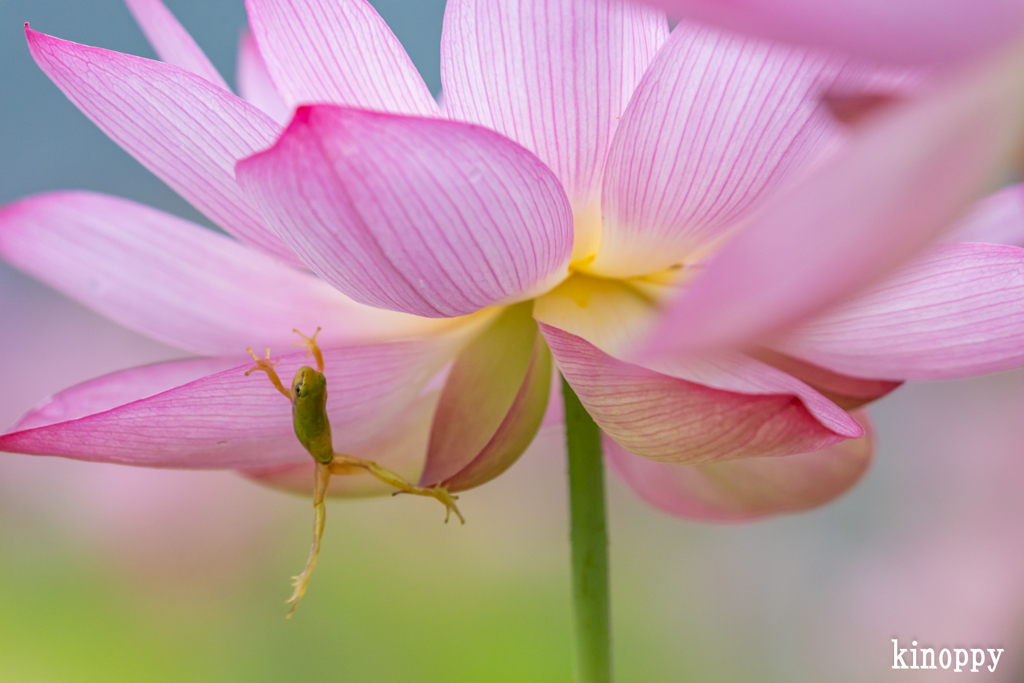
{"x": 178, "y": 282}
{"x": 181, "y": 127}
{"x": 424, "y": 216}
{"x": 228, "y": 420}
{"x": 954, "y": 312}
{"x": 902, "y": 31}
{"x": 687, "y": 421}
{"x": 905, "y": 178}
{"x": 254, "y": 83}
{"x": 743, "y": 490}
{"x": 997, "y": 219}
{"x": 171, "y": 41}
{"x": 553, "y": 75}
{"x": 337, "y": 52}
{"x": 492, "y": 403}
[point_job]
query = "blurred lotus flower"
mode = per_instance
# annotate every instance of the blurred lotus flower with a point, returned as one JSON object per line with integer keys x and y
{"x": 585, "y": 168}
{"x": 920, "y": 32}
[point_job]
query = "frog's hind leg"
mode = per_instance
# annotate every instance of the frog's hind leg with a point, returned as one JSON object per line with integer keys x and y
{"x": 346, "y": 464}
{"x": 323, "y": 477}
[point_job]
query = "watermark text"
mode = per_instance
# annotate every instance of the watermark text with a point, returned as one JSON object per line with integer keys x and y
{"x": 957, "y": 657}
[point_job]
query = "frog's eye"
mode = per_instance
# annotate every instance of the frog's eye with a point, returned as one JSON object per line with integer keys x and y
{"x": 299, "y": 385}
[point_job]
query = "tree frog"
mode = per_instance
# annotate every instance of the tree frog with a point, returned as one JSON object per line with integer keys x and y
{"x": 312, "y": 425}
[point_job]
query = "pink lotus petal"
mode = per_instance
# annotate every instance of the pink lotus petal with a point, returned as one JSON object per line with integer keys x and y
{"x": 254, "y": 83}
{"x": 402, "y": 448}
{"x": 555, "y": 413}
{"x": 337, "y": 52}
{"x": 997, "y": 219}
{"x": 845, "y": 391}
{"x": 492, "y": 403}
{"x": 118, "y": 388}
{"x": 716, "y": 124}
{"x": 687, "y": 421}
{"x": 902, "y": 31}
{"x": 553, "y": 75}
{"x": 181, "y": 127}
{"x": 745, "y": 375}
{"x": 517, "y": 430}
{"x": 853, "y": 109}
{"x": 228, "y": 420}
{"x": 178, "y": 282}
{"x": 957, "y": 311}
{"x": 171, "y": 41}
{"x": 904, "y": 179}
{"x": 425, "y": 216}
{"x": 607, "y": 316}
{"x": 742, "y": 490}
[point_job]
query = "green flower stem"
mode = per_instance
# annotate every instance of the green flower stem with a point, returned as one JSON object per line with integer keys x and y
{"x": 589, "y": 539}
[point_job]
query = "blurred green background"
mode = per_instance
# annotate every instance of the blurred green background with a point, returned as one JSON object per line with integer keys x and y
{"x": 118, "y": 574}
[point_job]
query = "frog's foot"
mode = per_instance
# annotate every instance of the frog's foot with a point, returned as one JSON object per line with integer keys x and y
{"x": 311, "y": 347}
{"x": 266, "y": 365}
{"x": 346, "y": 464}
{"x": 443, "y": 495}
{"x": 300, "y": 582}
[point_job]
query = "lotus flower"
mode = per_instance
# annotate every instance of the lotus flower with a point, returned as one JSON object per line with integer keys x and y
{"x": 717, "y": 263}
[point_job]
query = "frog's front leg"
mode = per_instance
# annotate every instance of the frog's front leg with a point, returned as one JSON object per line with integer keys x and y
{"x": 266, "y": 365}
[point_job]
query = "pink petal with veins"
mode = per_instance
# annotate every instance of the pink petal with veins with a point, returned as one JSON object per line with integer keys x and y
{"x": 997, "y": 219}
{"x": 906, "y": 176}
{"x": 424, "y": 216}
{"x": 181, "y": 127}
{"x": 337, "y": 52}
{"x": 171, "y": 41}
{"x": 744, "y": 490}
{"x": 254, "y": 83}
{"x": 230, "y": 421}
{"x": 845, "y": 391}
{"x": 178, "y": 282}
{"x": 118, "y": 388}
{"x": 954, "y": 312}
{"x": 689, "y": 421}
{"x": 553, "y": 75}
{"x": 718, "y": 122}
{"x": 606, "y": 316}
{"x": 901, "y": 31}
